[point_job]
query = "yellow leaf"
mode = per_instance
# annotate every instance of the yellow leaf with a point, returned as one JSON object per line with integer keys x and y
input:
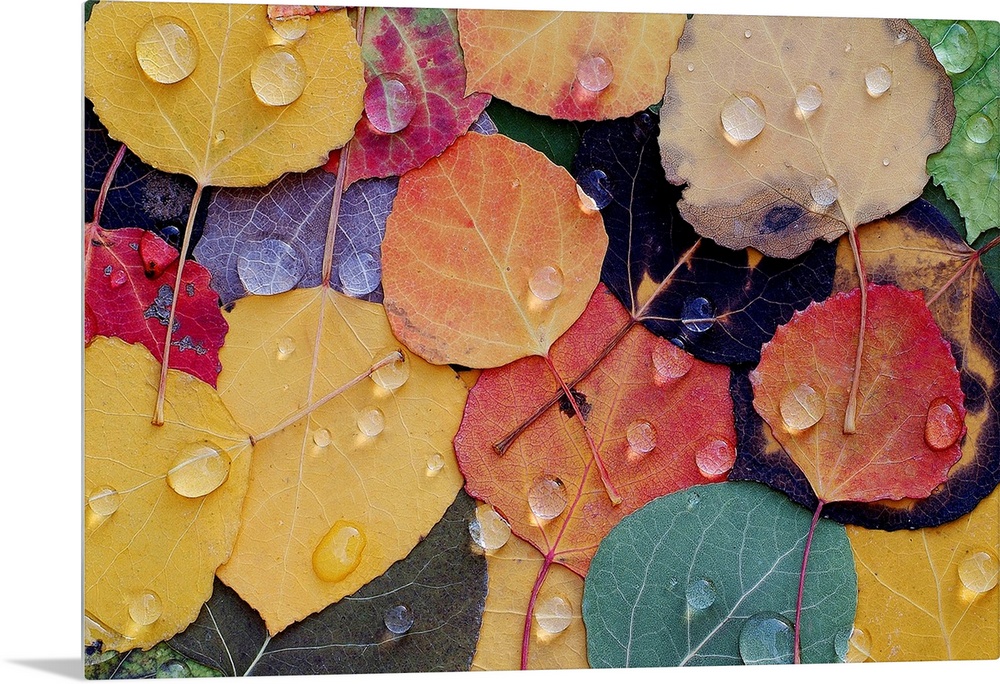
{"x": 225, "y": 122}
{"x": 340, "y": 495}
{"x": 929, "y": 594}
{"x": 162, "y": 503}
{"x": 512, "y": 570}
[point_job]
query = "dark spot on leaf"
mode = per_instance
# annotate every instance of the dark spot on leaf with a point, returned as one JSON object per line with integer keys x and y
{"x": 581, "y": 400}
{"x": 778, "y": 219}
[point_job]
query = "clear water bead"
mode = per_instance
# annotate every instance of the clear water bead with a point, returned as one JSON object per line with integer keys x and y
{"x": 743, "y": 117}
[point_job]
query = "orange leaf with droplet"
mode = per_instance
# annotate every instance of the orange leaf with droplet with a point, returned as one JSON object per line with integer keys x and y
{"x": 911, "y": 412}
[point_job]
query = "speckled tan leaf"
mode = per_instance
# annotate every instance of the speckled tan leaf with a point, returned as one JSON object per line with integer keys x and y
{"x": 913, "y": 600}
{"x": 157, "y": 542}
{"x": 852, "y": 159}
{"x": 323, "y": 470}
{"x": 210, "y": 125}
{"x": 512, "y": 571}
{"x": 530, "y": 59}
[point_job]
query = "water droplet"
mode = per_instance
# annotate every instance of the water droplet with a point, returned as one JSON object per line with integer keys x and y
{"x": 979, "y": 128}
{"x": 978, "y": 572}
{"x": 669, "y": 362}
{"x": 360, "y": 273}
{"x": 389, "y": 103}
{"x": 286, "y": 346}
{"x": 809, "y": 98}
{"x": 104, "y": 501}
{"x": 371, "y": 421}
{"x": 339, "y": 551}
{"x": 145, "y": 609}
{"x": 322, "y": 438}
{"x": 172, "y": 669}
{"x": 277, "y": 76}
{"x": 958, "y": 48}
{"x": 901, "y": 37}
{"x": 554, "y": 614}
{"x": 802, "y": 407}
{"x": 885, "y": 161}
{"x": 488, "y": 530}
{"x": 434, "y": 464}
{"x": 878, "y": 79}
{"x": 690, "y": 67}
{"x": 825, "y": 192}
{"x": 641, "y": 437}
{"x": 393, "y": 375}
{"x": 398, "y": 619}
{"x": 842, "y": 643}
{"x": 290, "y": 28}
{"x": 860, "y": 646}
{"x": 766, "y": 639}
{"x": 546, "y": 282}
{"x": 694, "y": 498}
{"x": 118, "y": 278}
{"x": 697, "y": 315}
{"x": 944, "y": 424}
{"x": 167, "y": 50}
{"x": 199, "y": 470}
{"x": 747, "y": 33}
{"x": 268, "y": 267}
{"x": 743, "y": 117}
{"x": 594, "y": 184}
{"x": 595, "y": 73}
{"x": 715, "y": 458}
{"x": 700, "y": 594}
{"x": 547, "y": 498}
{"x": 220, "y": 136}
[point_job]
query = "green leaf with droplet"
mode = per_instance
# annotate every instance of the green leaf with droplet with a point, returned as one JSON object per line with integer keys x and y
{"x": 677, "y": 582}
{"x": 969, "y": 166}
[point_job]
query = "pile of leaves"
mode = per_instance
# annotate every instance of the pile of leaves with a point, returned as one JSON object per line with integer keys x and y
{"x": 429, "y": 339}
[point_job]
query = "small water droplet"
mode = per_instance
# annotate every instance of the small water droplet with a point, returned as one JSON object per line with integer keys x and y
{"x": 860, "y": 646}
{"x": 398, "y": 619}
{"x": 978, "y": 572}
{"x": 547, "y": 498}
{"x": 546, "y": 282}
{"x": 669, "y": 362}
{"x": 809, "y": 98}
{"x": 118, "y": 278}
{"x": 268, "y": 267}
{"x": 554, "y": 614}
{"x": 145, "y": 609}
{"x": 167, "y": 50}
{"x": 901, "y": 37}
{"x": 292, "y": 27}
{"x": 594, "y": 184}
{"x": 842, "y": 643}
{"x": 694, "y": 498}
{"x": 698, "y": 315}
{"x": 743, "y": 117}
{"x": 979, "y": 128}
{"x": 825, "y": 192}
{"x": 389, "y": 103}
{"x": 360, "y": 273}
{"x": 802, "y": 407}
{"x": 747, "y": 33}
{"x": 220, "y": 136}
{"x": 392, "y": 376}
{"x": 641, "y": 437}
{"x": 488, "y": 530}
{"x": 885, "y": 161}
{"x": 339, "y": 551}
{"x": 371, "y": 421}
{"x": 322, "y": 438}
{"x": 766, "y": 639}
{"x": 286, "y": 346}
{"x": 199, "y": 470}
{"x": 690, "y": 66}
{"x": 878, "y": 79}
{"x": 434, "y": 464}
{"x": 700, "y": 594}
{"x": 944, "y": 424}
{"x": 595, "y": 73}
{"x": 715, "y": 458}
{"x": 957, "y": 48}
{"x": 104, "y": 501}
{"x": 277, "y": 76}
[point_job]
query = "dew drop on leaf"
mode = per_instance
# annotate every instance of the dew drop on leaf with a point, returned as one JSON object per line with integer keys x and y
{"x": 943, "y": 426}
{"x": 393, "y": 375}
{"x": 802, "y": 407}
{"x": 360, "y": 273}
{"x": 546, "y": 282}
{"x": 434, "y": 464}
{"x": 554, "y": 614}
{"x": 978, "y": 572}
{"x": 118, "y": 278}
{"x": 145, "y": 609}
{"x": 290, "y": 28}
{"x": 641, "y": 437}
{"x": 743, "y": 117}
{"x": 277, "y": 76}
{"x": 286, "y": 346}
{"x": 809, "y": 98}
{"x": 389, "y": 103}
{"x": 878, "y": 79}
{"x": 166, "y": 50}
{"x": 173, "y": 669}
{"x": 268, "y": 267}
{"x": 715, "y": 458}
{"x": 860, "y": 646}
{"x": 694, "y": 498}
{"x": 698, "y": 315}
{"x": 322, "y": 438}
{"x": 595, "y": 73}
{"x": 547, "y": 498}
{"x": 200, "y": 469}
{"x": 371, "y": 421}
{"x": 825, "y": 192}
{"x": 958, "y": 48}
{"x": 979, "y": 128}
{"x": 766, "y": 639}
{"x": 594, "y": 184}
{"x": 488, "y": 530}
{"x": 104, "y": 501}
{"x": 700, "y": 594}
{"x": 398, "y": 619}
{"x": 339, "y": 551}
{"x": 670, "y": 363}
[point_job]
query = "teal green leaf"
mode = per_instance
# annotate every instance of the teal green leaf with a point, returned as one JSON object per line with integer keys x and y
{"x": 969, "y": 166}
{"x": 679, "y": 580}
{"x": 556, "y": 139}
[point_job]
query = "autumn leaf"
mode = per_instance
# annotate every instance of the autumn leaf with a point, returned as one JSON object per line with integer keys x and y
{"x": 569, "y": 65}
{"x": 162, "y": 503}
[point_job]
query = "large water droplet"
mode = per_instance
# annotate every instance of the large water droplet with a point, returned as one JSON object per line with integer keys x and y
{"x": 286, "y": 346}
{"x": 802, "y": 407}
{"x": 878, "y": 79}
{"x": 669, "y": 362}
{"x": 595, "y": 73}
{"x": 145, "y": 609}
{"x": 199, "y": 470}
{"x": 389, "y": 103}
{"x": 359, "y": 273}
{"x": 371, "y": 421}
{"x": 978, "y": 572}
{"x": 398, "y": 619}
{"x": 641, "y": 437}
{"x": 860, "y": 648}
{"x": 700, "y": 594}
{"x": 554, "y": 614}
{"x": 435, "y": 462}
{"x": 594, "y": 184}
{"x": 809, "y": 98}
{"x": 488, "y": 530}
{"x": 825, "y": 191}
{"x": 944, "y": 425}
{"x": 277, "y": 76}
{"x": 766, "y": 639}
{"x": 547, "y": 498}
{"x": 104, "y": 501}
{"x": 979, "y": 128}
{"x": 167, "y": 50}
{"x": 715, "y": 458}
{"x": 292, "y": 27}
{"x": 173, "y": 669}
{"x": 322, "y": 438}
{"x": 958, "y": 48}
{"x": 268, "y": 267}
{"x": 546, "y": 282}
{"x": 339, "y": 551}
{"x": 698, "y": 315}
{"x": 393, "y": 375}
{"x": 743, "y": 117}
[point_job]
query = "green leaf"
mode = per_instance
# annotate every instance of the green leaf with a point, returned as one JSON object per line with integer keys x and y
{"x": 969, "y": 166}
{"x": 159, "y": 662}
{"x": 556, "y": 139}
{"x": 676, "y": 582}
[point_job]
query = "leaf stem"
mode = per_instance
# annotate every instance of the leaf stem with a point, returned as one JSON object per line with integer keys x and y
{"x": 331, "y": 229}
{"x": 976, "y": 256}
{"x": 185, "y": 243}
{"x": 802, "y": 580}
{"x": 102, "y": 196}
{"x": 851, "y": 414}
{"x": 530, "y": 611}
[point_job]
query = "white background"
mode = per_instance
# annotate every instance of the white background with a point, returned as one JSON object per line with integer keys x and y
{"x": 40, "y": 385}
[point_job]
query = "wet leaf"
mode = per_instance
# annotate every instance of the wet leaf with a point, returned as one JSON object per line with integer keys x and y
{"x": 557, "y": 139}
{"x": 160, "y": 662}
{"x": 162, "y": 503}
{"x": 415, "y": 99}
{"x": 911, "y": 406}
{"x": 512, "y": 570}
{"x": 791, "y": 129}
{"x": 442, "y": 583}
{"x": 569, "y": 65}
{"x": 458, "y": 271}
{"x": 648, "y": 449}
{"x": 269, "y": 240}
{"x": 209, "y": 124}
{"x": 679, "y": 581}
{"x": 721, "y": 305}
{"x": 369, "y": 472}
